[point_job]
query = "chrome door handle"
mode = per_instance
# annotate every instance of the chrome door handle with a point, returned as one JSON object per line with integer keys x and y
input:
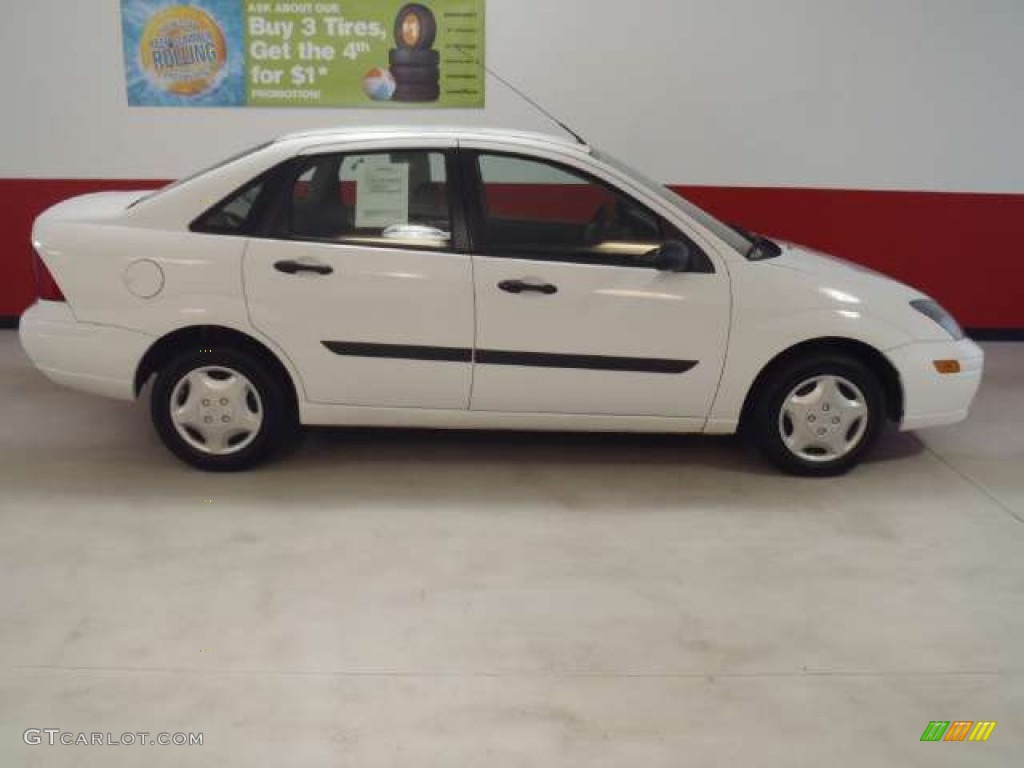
{"x": 291, "y": 267}
{"x": 520, "y": 286}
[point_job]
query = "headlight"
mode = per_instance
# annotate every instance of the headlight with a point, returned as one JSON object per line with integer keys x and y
{"x": 931, "y": 309}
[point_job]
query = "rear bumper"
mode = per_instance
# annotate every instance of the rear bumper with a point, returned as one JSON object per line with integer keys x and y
{"x": 930, "y": 398}
{"x": 98, "y": 359}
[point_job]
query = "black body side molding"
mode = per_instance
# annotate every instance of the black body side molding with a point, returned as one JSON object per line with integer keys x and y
{"x": 506, "y": 357}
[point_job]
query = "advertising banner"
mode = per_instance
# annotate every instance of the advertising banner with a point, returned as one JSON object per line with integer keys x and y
{"x": 343, "y": 53}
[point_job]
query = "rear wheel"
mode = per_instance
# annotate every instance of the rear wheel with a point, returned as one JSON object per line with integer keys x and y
{"x": 818, "y": 416}
{"x": 221, "y": 409}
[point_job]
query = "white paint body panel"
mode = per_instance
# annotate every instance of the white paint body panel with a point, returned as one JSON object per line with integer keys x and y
{"x": 382, "y": 296}
{"x": 97, "y": 359}
{"x": 732, "y": 322}
{"x": 341, "y": 415}
{"x": 933, "y": 399}
{"x": 600, "y": 310}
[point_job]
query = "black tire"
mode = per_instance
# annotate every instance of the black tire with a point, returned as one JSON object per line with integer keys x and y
{"x": 417, "y": 93}
{"x": 415, "y": 27}
{"x": 406, "y": 57}
{"x": 277, "y": 428}
{"x": 767, "y": 424}
{"x": 416, "y": 75}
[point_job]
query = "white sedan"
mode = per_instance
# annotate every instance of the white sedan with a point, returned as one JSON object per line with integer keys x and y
{"x": 473, "y": 278}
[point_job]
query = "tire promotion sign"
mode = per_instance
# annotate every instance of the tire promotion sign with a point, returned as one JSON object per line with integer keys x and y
{"x": 334, "y": 53}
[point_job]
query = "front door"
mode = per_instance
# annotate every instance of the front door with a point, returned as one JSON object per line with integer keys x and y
{"x": 358, "y": 281}
{"x": 572, "y": 315}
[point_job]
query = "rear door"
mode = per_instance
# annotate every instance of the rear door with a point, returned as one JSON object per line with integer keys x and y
{"x": 359, "y": 282}
{"x": 572, "y": 316}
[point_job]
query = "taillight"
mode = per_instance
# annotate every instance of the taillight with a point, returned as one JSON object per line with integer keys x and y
{"x": 46, "y": 286}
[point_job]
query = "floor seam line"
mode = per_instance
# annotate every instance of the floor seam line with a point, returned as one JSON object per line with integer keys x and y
{"x": 710, "y": 674}
{"x": 971, "y": 481}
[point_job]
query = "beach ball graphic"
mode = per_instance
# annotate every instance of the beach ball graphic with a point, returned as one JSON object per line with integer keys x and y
{"x": 379, "y": 84}
{"x": 183, "y": 51}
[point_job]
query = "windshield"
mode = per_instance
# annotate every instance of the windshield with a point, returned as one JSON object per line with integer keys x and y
{"x": 736, "y": 239}
{"x": 197, "y": 174}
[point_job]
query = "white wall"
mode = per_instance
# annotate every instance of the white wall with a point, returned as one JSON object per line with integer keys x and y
{"x": 881, "y": 94}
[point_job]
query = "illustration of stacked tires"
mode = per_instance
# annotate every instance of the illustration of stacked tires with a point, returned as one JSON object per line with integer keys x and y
{"x": 414, "y": 64}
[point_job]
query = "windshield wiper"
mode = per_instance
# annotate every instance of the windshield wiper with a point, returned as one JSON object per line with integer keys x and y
{"x": 761, "y": 247}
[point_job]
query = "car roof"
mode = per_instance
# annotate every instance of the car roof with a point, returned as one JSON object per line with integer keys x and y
{"x": 405, "y": 132}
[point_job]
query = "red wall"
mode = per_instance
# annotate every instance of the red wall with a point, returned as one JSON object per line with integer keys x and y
{"x": 960, "y": 248}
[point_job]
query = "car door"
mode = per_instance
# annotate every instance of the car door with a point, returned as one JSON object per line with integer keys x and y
{"x": 358, "y": 280}
{"x": 572, "y": 315}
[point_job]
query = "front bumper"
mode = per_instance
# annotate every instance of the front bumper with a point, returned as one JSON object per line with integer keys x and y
{"x": 930, "y": 398}
{"x": 99, "y": 359}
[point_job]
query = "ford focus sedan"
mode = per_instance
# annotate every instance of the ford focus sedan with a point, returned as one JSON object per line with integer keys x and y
{"x": 468, "y": 278}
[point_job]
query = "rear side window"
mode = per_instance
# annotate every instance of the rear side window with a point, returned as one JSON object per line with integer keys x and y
{"x": 234, "y": 215}
{"x": 387, "y": 199}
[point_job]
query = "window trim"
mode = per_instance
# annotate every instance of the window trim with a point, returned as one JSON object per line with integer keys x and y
{"x": 199, "y": 174}
{"x": 473, "y": 200}
{"x": 290, "y": 170}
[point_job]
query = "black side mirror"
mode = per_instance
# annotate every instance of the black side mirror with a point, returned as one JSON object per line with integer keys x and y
{"x": 672, "y": 256}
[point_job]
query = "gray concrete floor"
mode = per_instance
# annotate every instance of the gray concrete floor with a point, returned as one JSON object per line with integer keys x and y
{"x": 486, "y": 599}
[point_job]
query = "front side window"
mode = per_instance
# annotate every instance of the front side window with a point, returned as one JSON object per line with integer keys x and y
{"x": 535, "y": 209}
{"x": 736, "y": 238}
{"x": 398, "y": 199}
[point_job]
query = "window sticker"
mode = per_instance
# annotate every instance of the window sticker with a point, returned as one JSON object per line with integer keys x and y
{"x": 382, "y": 194}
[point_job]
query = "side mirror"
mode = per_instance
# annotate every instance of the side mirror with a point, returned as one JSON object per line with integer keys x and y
{"x": 672, "y": 256}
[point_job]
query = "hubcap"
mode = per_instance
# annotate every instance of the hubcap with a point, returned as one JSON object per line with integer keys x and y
{"x": 823, "y": 418}
{"x": 216, "y": 410}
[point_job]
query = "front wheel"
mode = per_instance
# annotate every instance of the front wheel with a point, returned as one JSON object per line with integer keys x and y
{"x": 818, "y": 417}
{"x": 220, "y": 409}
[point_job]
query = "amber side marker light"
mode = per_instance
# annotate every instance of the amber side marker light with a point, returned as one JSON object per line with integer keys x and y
{"x": 947, "y": 366}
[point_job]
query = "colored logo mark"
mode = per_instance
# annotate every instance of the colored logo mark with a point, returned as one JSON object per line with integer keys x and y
{"x": 183, "y": 51}
{"x": 958, "y": 730}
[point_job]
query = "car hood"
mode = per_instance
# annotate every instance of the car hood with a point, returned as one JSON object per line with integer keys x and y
{"x": 841, "y": 280}
{"x": 822, "y": 281}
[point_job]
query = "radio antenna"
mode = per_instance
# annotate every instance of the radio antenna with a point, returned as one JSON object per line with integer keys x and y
{"x": 520, "y": 94}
